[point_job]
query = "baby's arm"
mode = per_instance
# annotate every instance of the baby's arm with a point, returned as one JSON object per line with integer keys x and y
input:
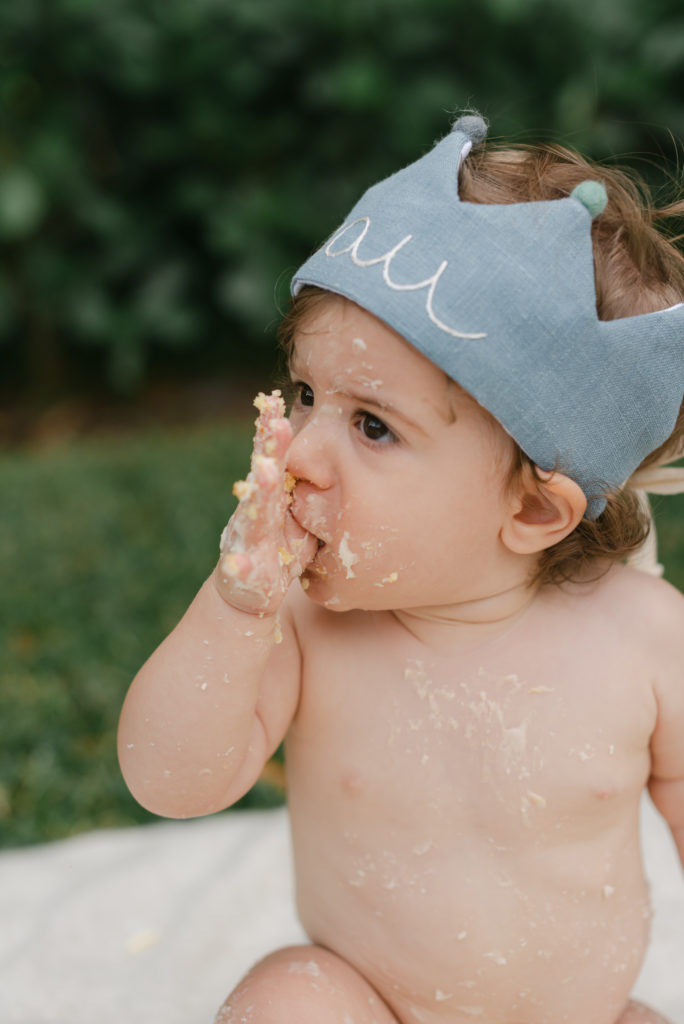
{"x": 666, "y": 784}
{"x": 215, "y": 699}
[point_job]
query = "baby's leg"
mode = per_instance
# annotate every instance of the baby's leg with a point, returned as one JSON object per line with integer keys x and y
{"x": 306, "y": 984}
{"x": 637, "y": 1013}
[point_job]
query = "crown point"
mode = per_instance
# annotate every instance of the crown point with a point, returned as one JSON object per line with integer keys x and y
{"x": 592, "y": 195}
{"x": 472, "y": 125}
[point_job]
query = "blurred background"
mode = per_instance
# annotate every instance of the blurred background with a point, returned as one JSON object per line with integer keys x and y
{"x": 164, "y": 166}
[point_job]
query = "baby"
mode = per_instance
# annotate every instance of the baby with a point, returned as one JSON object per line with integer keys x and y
{"x": 474, "y": 690}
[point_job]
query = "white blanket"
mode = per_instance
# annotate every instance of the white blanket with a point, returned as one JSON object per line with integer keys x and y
{"x": 156, "y": 924}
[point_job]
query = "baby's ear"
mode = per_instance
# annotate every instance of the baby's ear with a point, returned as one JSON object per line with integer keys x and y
{"x": 545, "y": 509}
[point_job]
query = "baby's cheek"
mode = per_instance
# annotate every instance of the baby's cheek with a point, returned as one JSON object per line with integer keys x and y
{"x": 365, "y": 549}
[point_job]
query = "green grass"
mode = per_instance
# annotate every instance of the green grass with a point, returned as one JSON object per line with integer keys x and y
{"x": 102, "y": 546}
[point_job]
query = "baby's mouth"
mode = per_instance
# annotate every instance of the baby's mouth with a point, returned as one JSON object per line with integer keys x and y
{"x": 311, "y": 517}
{"x": 315, "y": 564}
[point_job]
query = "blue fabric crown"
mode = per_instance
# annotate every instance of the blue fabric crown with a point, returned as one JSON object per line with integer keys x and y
{"x": 502, "y": 298}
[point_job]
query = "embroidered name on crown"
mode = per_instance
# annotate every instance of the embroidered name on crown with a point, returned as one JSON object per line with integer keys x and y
{"x": 386, "y": 259}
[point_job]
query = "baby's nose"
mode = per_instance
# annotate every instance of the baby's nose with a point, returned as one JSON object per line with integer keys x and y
{"x": 309, "y": 456}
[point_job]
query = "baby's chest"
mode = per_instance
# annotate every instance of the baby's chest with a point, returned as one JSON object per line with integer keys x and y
{"x": 476, "y": 744}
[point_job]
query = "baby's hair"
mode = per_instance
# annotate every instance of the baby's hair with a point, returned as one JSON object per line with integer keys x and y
{"x": 303, "y": 308}
{"x": 637, "y": 270}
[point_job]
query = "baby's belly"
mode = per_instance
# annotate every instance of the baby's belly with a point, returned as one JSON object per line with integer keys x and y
{"x": 462, "y": 930}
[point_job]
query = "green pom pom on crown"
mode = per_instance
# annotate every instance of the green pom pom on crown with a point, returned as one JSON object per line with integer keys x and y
{"x": 592, "y": 195}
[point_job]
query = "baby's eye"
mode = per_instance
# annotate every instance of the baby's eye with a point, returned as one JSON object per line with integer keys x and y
{"x": 374, "y": 429}
{"x": 306, "y": 395}
{"x": 302, "y": 394}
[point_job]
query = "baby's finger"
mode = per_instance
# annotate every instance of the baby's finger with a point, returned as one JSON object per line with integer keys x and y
{"x": 280, "y": 438}
{"x": 271, "y": 412}
{"x": 259, "y": 515}
{"x": 236, "y": 566}
{"x": 300, "y": 545}
{"x": 247, "y": 583}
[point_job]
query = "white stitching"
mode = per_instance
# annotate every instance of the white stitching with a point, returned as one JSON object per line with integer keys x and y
{"x": 386, "y": 260}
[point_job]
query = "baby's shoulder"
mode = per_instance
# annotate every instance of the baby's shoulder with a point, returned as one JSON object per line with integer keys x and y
{"x": 638, "y": 607}
{"x": 644, "y": 597}
{"x": 655, "y": 619}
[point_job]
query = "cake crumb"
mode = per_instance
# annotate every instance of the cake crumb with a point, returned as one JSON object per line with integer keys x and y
{"x": 285, "y": 556}
{"x": 142, "y": 940}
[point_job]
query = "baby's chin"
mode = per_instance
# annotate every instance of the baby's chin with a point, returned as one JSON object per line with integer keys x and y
{"x": 340, "y": 592}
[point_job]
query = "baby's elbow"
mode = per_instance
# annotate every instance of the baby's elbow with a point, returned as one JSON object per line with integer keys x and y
{"x": 172, "y": 797}
{"x": 173, "y": 782}
{"x": 184, "y": 790}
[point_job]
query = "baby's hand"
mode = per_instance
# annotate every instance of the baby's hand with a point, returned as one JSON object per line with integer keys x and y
{"x": 262, "y": 548}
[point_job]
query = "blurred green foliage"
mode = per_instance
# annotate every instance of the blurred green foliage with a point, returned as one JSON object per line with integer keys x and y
{"x": 163, "y": 163}
{"x": 103, "y": 545}
{"x": 102, "y": 548}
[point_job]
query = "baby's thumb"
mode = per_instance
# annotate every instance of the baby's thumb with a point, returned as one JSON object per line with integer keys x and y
{"x": 300, "y": 547}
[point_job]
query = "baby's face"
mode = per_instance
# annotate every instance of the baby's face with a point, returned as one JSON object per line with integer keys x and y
{"x": 400, "y": 474}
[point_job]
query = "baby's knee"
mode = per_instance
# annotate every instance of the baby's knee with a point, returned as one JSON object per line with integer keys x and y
{"x": 300, "y": 983}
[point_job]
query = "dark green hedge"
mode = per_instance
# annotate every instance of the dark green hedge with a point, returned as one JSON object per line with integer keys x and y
{"x": 163, "y": 163}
